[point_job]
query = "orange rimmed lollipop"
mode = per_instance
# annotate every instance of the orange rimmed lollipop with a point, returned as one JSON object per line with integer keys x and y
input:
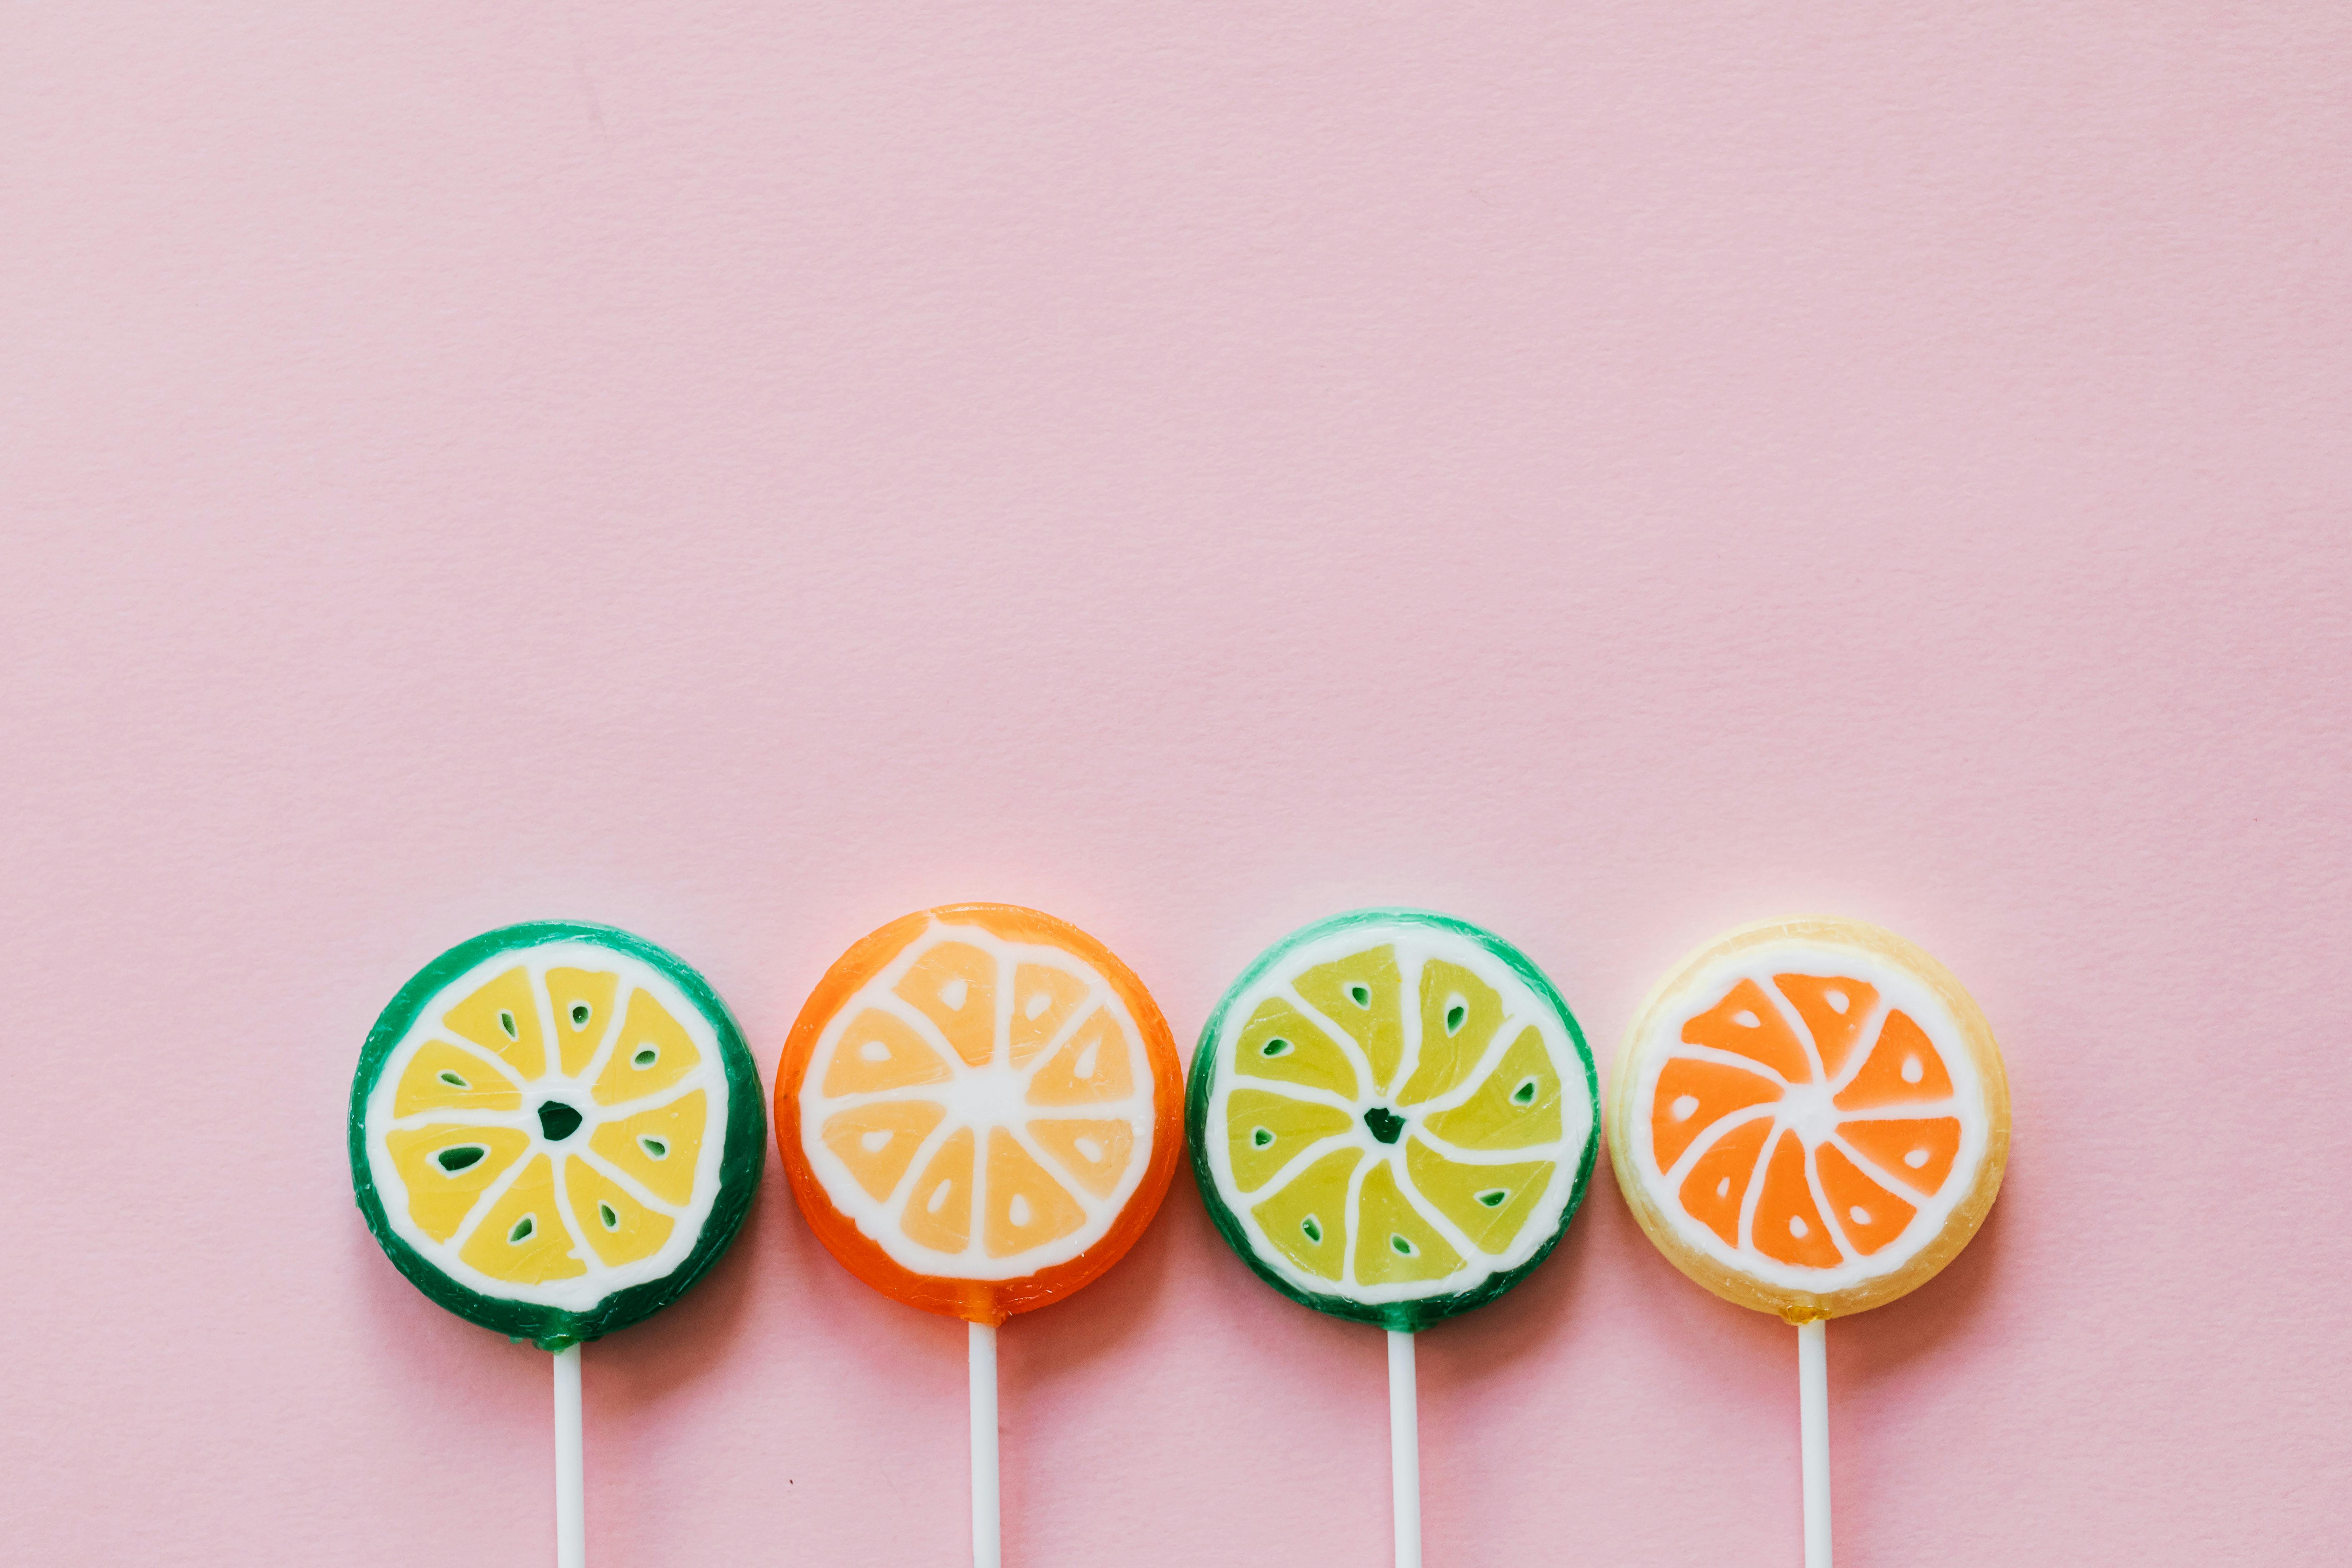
{"x": 978, "y": 1110}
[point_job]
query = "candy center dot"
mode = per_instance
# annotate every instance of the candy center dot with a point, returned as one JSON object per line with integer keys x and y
{"x": 506, "y": 1022}
{"x": 453, "y": 1079}
{"x": 938, "y": 1199}
{"x": 1723, "y": 1188}
{"x": 954, "y": 991}
{"x": 580, "y": 1014}
{"x": 464, "y": 1157}
{"x": 1092, "y": 1152}
{"x": 1797, "y": 1227}
{"x": 1684, "y": 1107}
{"x": 1401, "y": 1245}
{"x": 1838, "y": 1000}
{"x": 612, "y": 1220}
{"x": 1277, "y": 1046}
{"x": 1525, "y": 1095}
{"x": 1385, "y": 1123}
{"x": 1493, "y": 1198}
{"x": 1260, "y": 1137}
{"x": 646, "y": 1056}
{"x": 1747, "y": 1019}
{"x": 874, "y": 1051}
{"x": 874, "y": 1142}
{"x": 1038, "y": 1002}
{"x": 1859, "y": 1215}
{"x": 1311, "y": 1228}
{"x": 1916, "y": 1158}
{"x": 1361, "y": 996}
{"x": 654, "y": 1147}
{"x": 558, "y": 1121}
{"x": 1913, "y": 1069}
{"x": 1018, "y": 1211}
{"x": 1458, "y": 1013}
{"x": 1807, "y": 1107}
{"x": 522, "y": 1229}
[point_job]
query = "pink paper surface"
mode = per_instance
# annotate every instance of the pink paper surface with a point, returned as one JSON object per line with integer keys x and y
{"x": 1609, "y": 472}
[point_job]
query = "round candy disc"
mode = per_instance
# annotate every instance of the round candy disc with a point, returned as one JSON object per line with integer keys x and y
{"x": 1393, "y": 1116}
{"x": 1810, "y": 1117}
{"x": 977, "y": 1109}
{"x": 555, "y": 1129}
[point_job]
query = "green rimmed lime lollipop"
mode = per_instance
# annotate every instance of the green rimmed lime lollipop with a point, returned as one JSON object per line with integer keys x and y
{"x": 1393, "y": 1117}
{"x": 555, "y": 1129}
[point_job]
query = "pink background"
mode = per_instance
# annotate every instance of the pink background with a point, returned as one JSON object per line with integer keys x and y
{"x": 1192, "y": 468}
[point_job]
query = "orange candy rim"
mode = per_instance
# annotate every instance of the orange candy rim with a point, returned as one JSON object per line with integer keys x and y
{"x": 977, "y": 1300}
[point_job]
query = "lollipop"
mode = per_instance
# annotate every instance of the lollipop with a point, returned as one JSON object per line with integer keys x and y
{"x": 978, "y": 1112}
{"x": 1393, "y": 1117}
{"x": 1810, "y": 1118}
{"x": 555, "y": 1130}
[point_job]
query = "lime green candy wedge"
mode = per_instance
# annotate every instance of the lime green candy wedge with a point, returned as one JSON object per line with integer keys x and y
{"x": 555, "y": 1130}
{"x": 1393, "y": 1117}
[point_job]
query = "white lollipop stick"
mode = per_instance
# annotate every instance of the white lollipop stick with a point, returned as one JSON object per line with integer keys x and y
{"x": 1813, "y": 1436}
{"x": 1404, "y": 1450}
{"x": 570, "y": 1499}
{"x": 987, "y": 1537}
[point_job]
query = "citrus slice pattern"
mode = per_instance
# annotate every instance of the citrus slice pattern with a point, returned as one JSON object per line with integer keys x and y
{"x": 1393, "y": 1116}
{"x": 977, "y": 1109}
{"x": 555, "y": 1129}
{"x": 1811, "y": 1116}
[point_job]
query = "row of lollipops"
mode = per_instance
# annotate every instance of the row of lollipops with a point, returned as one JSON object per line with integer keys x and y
{"x": 556, "y": 1129}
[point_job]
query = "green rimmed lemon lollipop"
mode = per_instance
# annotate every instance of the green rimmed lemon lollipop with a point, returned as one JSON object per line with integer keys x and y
{"x": 1393, "y": 1118}
{"x": 555, "y": 1129}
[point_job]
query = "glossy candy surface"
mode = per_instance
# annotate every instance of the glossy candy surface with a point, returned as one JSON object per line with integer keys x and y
{"x": 1393, "y": 1116}
{"x": 1810, "y": 1117}
{"x": 555, "y": 1129}
{"x": 977, "y": 1109}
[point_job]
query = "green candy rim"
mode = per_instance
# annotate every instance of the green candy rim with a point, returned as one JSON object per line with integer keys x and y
{"x": 1403, "y": 1316}
{"x": 740, "y": 1160}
